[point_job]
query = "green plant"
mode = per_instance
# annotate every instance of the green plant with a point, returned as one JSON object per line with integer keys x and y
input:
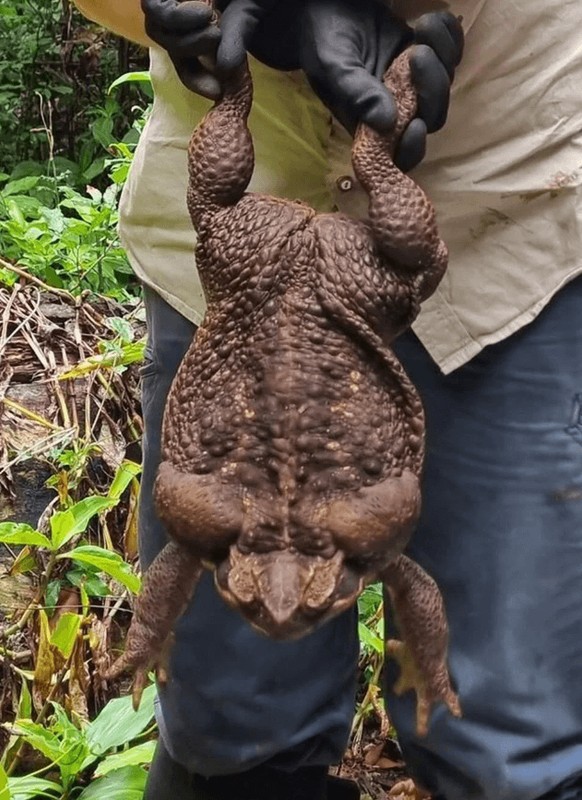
{"x": 53, "y": 86}
{"x": 66, "y": 238}
{"x": 371, "y": 633}
{"x": 70, "y": 523}
{"x": 112, "y": 749}
{"x": 64, "y": 230}
{"x": 65, "y": 563}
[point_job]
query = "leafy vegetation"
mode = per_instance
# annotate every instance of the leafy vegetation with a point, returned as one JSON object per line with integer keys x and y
{"x": 70, "y": 125}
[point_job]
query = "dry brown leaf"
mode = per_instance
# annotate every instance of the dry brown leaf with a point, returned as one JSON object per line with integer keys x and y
{"x": 373, "y": 753}
{"x": 112, "y": 444}
{"x": 79, "y": 680}
{"x": 130, "y": 535}
{"x": 408, "y": 790}
{"x": 388, "y": 763}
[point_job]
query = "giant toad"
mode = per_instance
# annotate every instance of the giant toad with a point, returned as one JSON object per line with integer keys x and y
{"x": 293, "y": 440}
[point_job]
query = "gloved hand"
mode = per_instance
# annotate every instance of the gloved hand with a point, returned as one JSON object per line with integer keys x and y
{"x": 186, "y": 31}
{"x": 345, "y": 49}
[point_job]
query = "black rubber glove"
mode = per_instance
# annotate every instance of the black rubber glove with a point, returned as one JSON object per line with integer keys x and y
{"x": 186, "y": 31}
{"x": 346, "y": 47}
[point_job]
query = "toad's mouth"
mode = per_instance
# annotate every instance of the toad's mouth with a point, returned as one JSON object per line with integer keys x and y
{"x": 286, "y": 594}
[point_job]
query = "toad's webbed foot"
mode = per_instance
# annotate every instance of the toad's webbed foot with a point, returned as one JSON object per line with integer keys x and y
{"x": 420, "y": 616}
{"x": 168, "y": 586}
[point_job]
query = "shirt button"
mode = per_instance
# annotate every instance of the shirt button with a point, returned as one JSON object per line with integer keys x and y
{"x": 345, "y": 183}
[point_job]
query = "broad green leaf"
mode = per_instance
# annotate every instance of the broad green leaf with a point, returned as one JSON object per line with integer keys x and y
{"x": 32, "y": 788}
{"x": 64, "y": 635}
{"x": 51, "y": 595}
{"x": 102, "y": 130}
{"x": 22, "y": 185}
{"x": 125, "y": 474}
{"x": 55, "y": 219}
{"x": 131, "y": 77}
{"x": 118, "y": 723}
{"x": 19, "y": 533}
{"x": 122, "y": 328}
{"x": 369, "y": 639}
{"x": 73, "y": 744}
{"x": 94, "y": 169}
{"x": 85, "y": 579}
{"x": 4, "y": 791}
{"x": 69, "y": 523}
{"x": 140, "y": 754}
{"x": 25, "y": 168}
{"x": 127, "y": 783}
{"x": 63, "y": 744}
{"x": 108, "y": 562}
{"x": 39, "y": 737}
{"x": 15, "y": 213}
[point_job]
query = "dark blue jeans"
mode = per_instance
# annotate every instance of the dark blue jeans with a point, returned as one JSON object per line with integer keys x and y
{"x": 501, "y": 532}
{"x": 236, "y": 699}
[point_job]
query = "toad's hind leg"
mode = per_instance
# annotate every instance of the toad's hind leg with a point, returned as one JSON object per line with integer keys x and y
{"x": 168, "y": 586}
{"x": 221, "y": 156}
{"x": 420, "y": 617}
{"x": 199, "y": 511}
{"x": 402, "y": 218}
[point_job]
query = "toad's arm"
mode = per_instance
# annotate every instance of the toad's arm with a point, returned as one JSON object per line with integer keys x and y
{"x": 123, "y": 17}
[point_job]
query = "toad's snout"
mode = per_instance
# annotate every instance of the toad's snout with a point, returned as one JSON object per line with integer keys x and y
{"x": 286, "y": 594}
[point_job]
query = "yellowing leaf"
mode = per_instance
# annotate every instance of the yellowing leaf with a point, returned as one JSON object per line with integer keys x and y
{"x": 45, "y": 662}
{"x": 65, "y": 633}
{"x": 24, "y": 562}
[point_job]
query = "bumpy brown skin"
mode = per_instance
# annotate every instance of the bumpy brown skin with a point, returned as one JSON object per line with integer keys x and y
{"x": 293, "y": 440}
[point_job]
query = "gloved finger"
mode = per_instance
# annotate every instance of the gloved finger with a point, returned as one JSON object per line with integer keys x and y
{"x": 355, "y": 96}
{"x": 412, "y": 146}
{"x": 432, "y": 85}
{"x": 190, "y": 43}
{"x": 237, "y": 24}
{"x": 442, "y": 32}
{"x": 170, "y": 15}
{"x": 197, "y": 78}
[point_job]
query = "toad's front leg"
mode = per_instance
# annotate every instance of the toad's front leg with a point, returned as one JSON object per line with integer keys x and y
{"x": 168, "y": 586}
{"x": 420, "y": 617}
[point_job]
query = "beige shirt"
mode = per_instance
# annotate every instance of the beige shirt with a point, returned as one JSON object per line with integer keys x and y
{"x": 505, "y": 174}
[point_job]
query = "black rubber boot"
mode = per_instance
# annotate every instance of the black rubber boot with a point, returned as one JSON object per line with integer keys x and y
{"x": 265, "y": 783}
{"x": 169, "y": 780}
{"x": 342, "y": 789}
